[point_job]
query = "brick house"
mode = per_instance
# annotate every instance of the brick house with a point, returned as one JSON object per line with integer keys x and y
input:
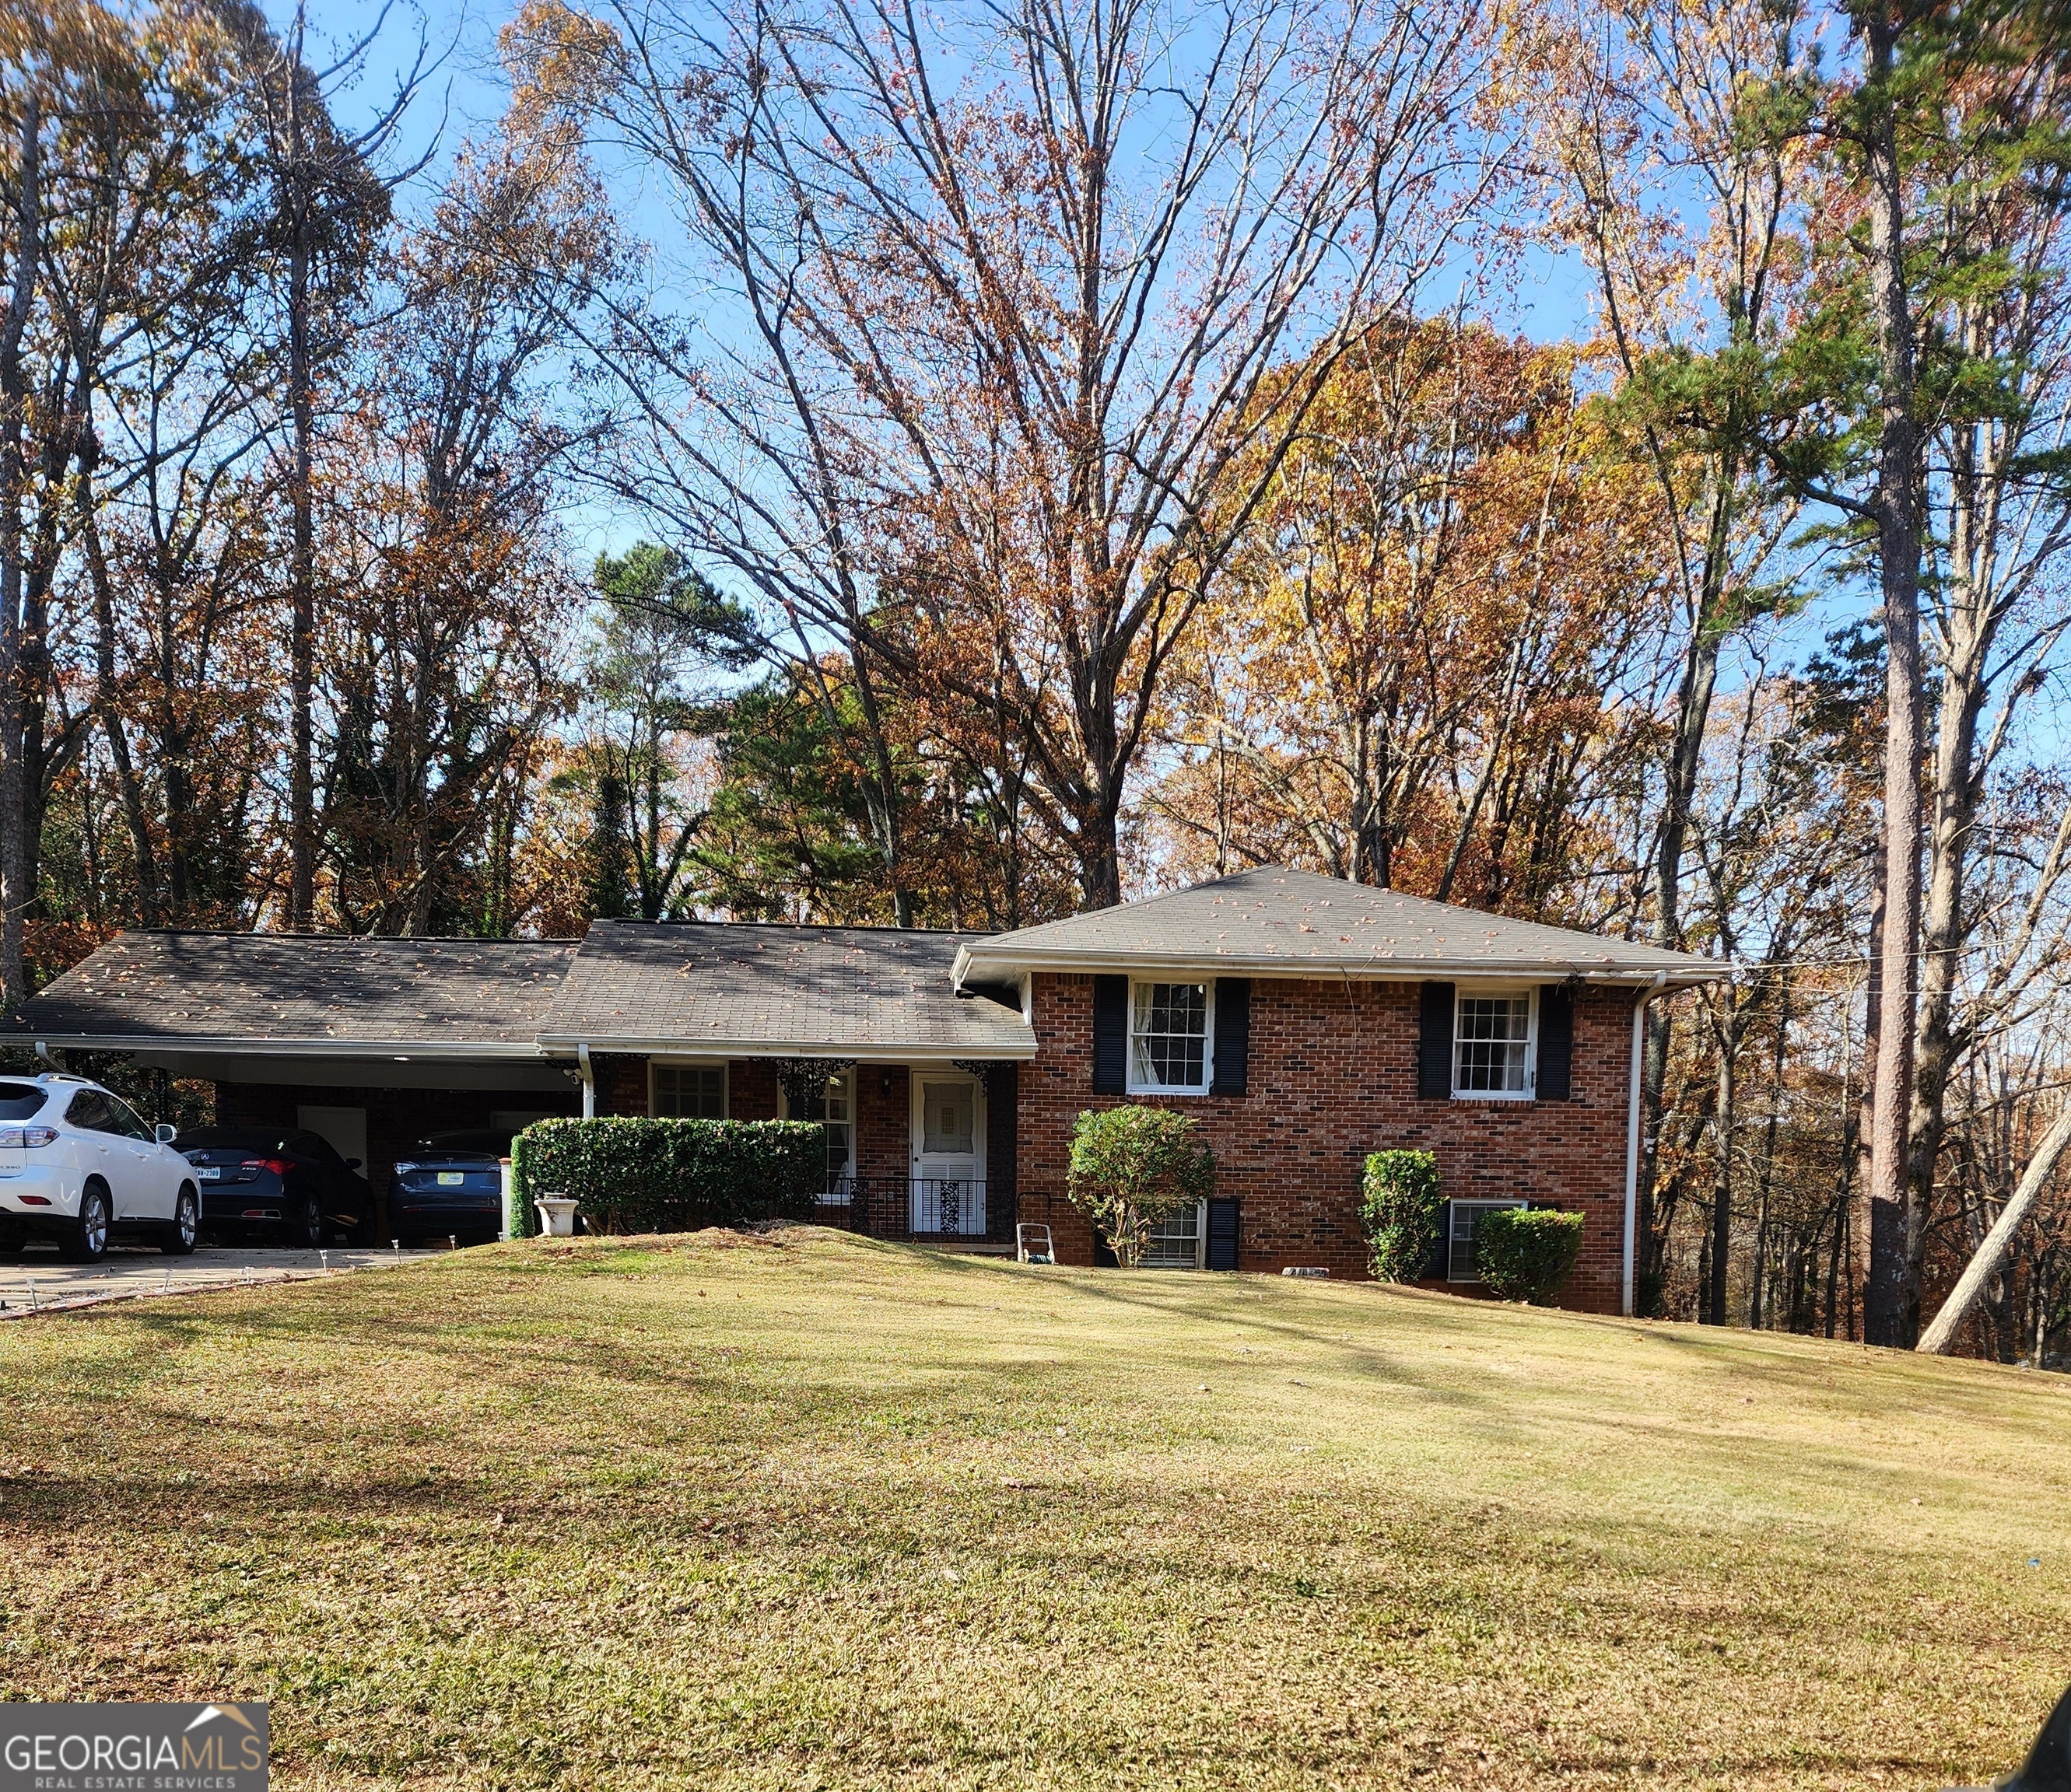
{"x": 1307, "y": 1021}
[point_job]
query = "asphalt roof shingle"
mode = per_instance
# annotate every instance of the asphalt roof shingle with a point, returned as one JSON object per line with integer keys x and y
{"x": 282, "y": 989}
{"x": 833, "y": 991}
{"x": 1295, "y": 923}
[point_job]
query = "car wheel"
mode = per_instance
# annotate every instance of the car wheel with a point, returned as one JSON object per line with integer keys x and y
{"x": 312, "y": 1230}
{"x": 11, "y": 1243}
{"x": 179, "y": 1240}
{"x": 87, "y": 1241}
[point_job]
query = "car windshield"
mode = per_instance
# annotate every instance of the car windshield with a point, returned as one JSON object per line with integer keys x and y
{"x": 19, "y": 1100}
{"x": 482, "y": 1143}
{"x": 233, "y": 1138}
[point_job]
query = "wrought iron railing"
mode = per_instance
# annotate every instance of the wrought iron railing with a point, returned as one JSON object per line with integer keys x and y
{"x": 924, "y": 1208}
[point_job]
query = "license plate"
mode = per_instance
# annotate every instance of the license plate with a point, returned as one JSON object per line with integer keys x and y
{"x": 452, "y": 1179}
{"x": 210, "y": 1172}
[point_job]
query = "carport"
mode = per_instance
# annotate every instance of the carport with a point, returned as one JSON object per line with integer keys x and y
{"x": 371, "y": 1043}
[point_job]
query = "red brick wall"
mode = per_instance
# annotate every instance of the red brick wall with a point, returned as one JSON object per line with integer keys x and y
{"x": 751, "y": 1087}
{"x": 1333, "y": 1076}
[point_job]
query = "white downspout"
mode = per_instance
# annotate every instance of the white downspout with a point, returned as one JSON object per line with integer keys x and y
{"x": 588, "y": 1081}
{"x": 1626, "y": 1298}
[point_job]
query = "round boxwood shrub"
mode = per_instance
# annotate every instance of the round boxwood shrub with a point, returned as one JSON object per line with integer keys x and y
{"x": 1525, "y": 1253}
{"x": 630, "y": 1174}
{"x": 1401, "y": 1212}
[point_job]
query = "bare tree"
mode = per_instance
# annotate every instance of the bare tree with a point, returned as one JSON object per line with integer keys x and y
{"x": 991, "y": 300}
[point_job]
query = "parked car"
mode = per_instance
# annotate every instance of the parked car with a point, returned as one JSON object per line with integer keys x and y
{"x": 287, "y": 1186}
{"x": 78, "y": 1165}
{"x": 450, "y": 1183}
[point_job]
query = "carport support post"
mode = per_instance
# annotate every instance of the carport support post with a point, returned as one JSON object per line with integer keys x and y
{"x": 1627, "y": 1278}
{"x": 589, "y": 1076}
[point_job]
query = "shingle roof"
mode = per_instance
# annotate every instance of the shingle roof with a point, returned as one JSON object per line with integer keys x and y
{"x": 750, "y": 990}
{"x": 1294, "y": 923}
{"x": 298, "y": 990}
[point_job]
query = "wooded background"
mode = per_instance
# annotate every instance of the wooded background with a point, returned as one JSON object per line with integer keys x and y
{"x": 1057, "y": 452}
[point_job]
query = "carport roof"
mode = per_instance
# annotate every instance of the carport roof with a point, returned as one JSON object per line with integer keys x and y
{"x": 287, "y": 993}
{"x": 737, "y": 989}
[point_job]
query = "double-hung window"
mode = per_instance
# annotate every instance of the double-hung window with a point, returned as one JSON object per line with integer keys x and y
{"x": 1169, "y": 1039}
{"x": 1494, "y": 1037}
{"x": 690, "y": 1092}
{"x": 835, "y": 1108}
{"x": 1461, "y": 1262}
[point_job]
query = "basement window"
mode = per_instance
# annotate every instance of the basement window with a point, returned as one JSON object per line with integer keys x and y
{"x": 1461, "y": 1265}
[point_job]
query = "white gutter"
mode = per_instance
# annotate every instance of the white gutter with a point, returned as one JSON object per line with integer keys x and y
{"x": 588, "y": 1081}
{"x": 874, "y": 1052}
{"x": 251, "y": 1046}
{"x": 1627, "y": 1301}
{"x": 969, "y": 964}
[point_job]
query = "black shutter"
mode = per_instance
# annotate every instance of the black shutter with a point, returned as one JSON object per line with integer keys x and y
{"x": 1441, "y": 1252}
{"x": 1232, "y": 1035}
{"x": 1110, "y": 1036}
{"x": 1434, "y": 1044}
{"x": 1556, "y": 1041}
{"x": 1222, "y": 1234}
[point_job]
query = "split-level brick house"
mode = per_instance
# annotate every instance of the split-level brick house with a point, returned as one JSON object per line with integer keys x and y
{"x": 1305, "y": 1020}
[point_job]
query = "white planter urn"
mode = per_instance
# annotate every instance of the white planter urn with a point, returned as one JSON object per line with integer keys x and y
{"x": 557, "y": 1216}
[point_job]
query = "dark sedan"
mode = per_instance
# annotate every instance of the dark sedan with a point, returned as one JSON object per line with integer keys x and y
{"x": 290, "y": 1187}
{"x": 450, "y": 1185}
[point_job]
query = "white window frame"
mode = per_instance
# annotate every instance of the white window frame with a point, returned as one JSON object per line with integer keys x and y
{"x": 1469, "y": 991}
{"x": 1452, "y": 1212}
{"x": 1200, "y": 1242}
{"x": 1136, "y": 1086}
{"x": 853, "y": 1076}
{"x": 718, "y": 1064}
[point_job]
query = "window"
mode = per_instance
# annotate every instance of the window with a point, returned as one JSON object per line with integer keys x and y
{"x": 19, "y": 1101}
{"x": 949, "y": 1119}
{"x": 835, "y": 1110}
{"x": 1461, "y": 1265}
{"x": 1175, "y": 1241}
{"x": 1492, "y": 1044}
{"x": 1168, "y": 1038}
{"x": 689, "y": 1091}
{"x": 90, "y": 1112}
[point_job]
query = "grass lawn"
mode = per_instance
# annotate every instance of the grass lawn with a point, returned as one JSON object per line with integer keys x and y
{"x": 804, "y": 1511}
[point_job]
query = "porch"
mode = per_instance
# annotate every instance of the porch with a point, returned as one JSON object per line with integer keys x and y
{"x": 964, "y": 1212}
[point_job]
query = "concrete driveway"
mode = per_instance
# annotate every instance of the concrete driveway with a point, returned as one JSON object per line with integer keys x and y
{"x": 41, "y": 1281}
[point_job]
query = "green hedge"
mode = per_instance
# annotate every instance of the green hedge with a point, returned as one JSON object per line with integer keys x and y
{"x": 634, "y": 1175}
{"x": 1524, "y": 1254}
{"x": 1401, "y": 1212}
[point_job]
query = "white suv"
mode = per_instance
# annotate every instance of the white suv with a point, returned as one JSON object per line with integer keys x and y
{"x": 77, "y": 1166}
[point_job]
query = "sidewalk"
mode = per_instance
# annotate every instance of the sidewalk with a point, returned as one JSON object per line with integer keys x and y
{"x": 38, "y": 1280}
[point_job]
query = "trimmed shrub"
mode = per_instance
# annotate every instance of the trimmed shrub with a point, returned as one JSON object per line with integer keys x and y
{"x": 636, "y": 1175}
{"x": 1131, "y": 1167}
{"x": 1401, "y": 1212}
{"x": 1525, "y": 1253}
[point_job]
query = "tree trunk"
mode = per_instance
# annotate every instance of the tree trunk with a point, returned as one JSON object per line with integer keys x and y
{"x": 1722, "y": 1191}
{"x": 14, "y": 401}
{"x": 302, "y": 570}
{"x": 1991, "y": 1255}
{"x": 1884, "y": 1316}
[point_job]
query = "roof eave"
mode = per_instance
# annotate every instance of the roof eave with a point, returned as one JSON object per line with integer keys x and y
{"x": 1392, "y": 970}
{"x": 255, "y": 1045}
{"x": 874, "y": 1051}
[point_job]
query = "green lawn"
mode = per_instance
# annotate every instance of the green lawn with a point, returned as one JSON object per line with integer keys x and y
{"x": 800, "y": 1510}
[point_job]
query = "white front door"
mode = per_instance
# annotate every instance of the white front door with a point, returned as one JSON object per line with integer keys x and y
{"x": 948, "y": 1187}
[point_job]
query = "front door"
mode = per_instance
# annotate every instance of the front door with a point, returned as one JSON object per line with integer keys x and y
{"x": 948, "y": 1186}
